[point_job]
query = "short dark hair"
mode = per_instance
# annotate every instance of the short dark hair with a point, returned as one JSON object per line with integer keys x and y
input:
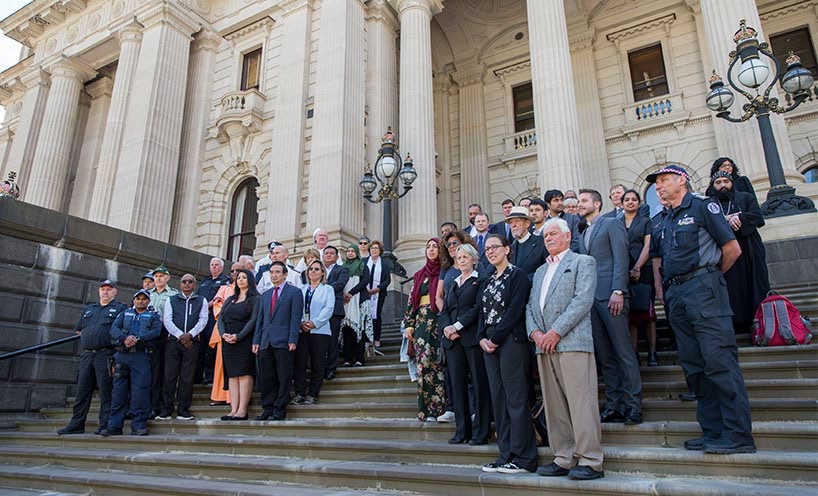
{"x": 595, "y": 196}
{"x": 537, "y": 201}
{"x": 449, "y": 223}
{"x": 502, "y": 239}
{"x": 551, "y": 194}
{"x": 484, "y": 214}
{"x": 278, "y": 264}
{"x": 331, "y": 247}
{"x": 638, "y": 198}
{"x": 722, "y": 160}
{"x": 619, "y": 185}
{"x": 507, "y": 201}
{"x": 476, "y": 205}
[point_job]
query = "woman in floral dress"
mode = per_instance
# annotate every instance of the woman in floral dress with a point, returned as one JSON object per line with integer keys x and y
{"x": 420, "y": 325}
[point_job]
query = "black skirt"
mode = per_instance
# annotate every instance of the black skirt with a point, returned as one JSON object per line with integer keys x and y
{"x": 238, "y": 358}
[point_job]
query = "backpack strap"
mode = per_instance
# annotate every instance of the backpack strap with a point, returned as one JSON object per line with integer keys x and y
{"x": 768, "y": 315}
{"x": 784, "y": 324}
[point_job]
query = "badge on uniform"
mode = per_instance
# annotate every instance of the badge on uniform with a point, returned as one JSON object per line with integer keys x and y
{"x": 714, "y": 208}
{"x": 686, "y": 221}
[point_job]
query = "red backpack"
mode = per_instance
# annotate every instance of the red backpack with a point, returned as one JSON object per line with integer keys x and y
{"x": 778, "y": 323}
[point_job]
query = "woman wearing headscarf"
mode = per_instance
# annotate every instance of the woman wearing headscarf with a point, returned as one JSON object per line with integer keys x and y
{"x": 420, "y": 328}
{"x": 356, "y": 328}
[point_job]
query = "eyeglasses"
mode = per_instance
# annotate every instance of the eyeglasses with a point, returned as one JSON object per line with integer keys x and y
{"x": 233, "y": 270}
{"x": 452, "y": 243}
{"x": 186, "y": 281}
{"x": 493, "y": 248}
{"x": 315, "y": 269}
{"x": 362, "y": 243}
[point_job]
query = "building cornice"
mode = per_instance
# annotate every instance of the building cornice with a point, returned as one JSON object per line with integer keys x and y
{"x": 504, "y": 72}
{"x": 660, "y": 22}
{"x": 790, "y": 9}
{"x": 31, "y": 21}
{"x": 265, "y": 23}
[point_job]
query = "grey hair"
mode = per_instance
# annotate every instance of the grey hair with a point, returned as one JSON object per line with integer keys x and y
{"x": 469, "y": 250}
{"x": 556, "y": 221}
{"x": 221, "y": 262}
{"x": 569, "y": 201}
{"x": 245, "y": 259}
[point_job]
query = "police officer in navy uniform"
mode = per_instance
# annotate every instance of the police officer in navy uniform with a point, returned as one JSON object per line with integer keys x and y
{"x": 697, "y": 246}
{"x": 133, "y": 333}
{"x": 94, "y": 371}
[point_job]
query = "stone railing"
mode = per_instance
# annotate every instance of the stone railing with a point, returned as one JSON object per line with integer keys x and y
{"x": 240, "y": 109}
{"x": 520, "y": 144}
{"x": 653, "y": 109}
{"x": 239, "y": 102}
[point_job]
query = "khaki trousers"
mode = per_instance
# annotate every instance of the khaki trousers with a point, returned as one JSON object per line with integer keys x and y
{"x": 569, "y": 387}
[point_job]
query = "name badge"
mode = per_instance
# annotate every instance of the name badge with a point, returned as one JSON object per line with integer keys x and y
{"x": 686, "y": 221}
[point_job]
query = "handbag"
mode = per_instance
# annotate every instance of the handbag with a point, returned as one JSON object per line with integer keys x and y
{"x": 641, "y": 297}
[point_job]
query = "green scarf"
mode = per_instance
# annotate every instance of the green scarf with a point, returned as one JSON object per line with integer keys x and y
{"x": 355, "y": 266}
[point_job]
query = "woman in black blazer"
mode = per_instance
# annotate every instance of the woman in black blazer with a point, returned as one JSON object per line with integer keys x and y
{"x": 458, "y": 319}
{"x": 380, "y": 270}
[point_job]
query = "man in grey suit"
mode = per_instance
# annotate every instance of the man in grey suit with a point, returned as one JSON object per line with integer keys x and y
{"x": 606, "y": 240}
{"x": 558, "y": 321}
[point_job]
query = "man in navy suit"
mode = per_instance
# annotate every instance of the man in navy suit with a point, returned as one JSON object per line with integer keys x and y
{"x": 606, "y": 240}
{"x": 277, "y": 325}
{"x": 555, "y": 210}
{"x": 337, "y": 279}
{"x": 502, "y": 228}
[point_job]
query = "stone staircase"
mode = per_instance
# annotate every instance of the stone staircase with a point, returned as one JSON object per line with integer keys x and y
{"x": 362, "y": 438}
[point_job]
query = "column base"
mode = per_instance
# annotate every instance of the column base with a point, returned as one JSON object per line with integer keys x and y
{"x": 782, "y": 201}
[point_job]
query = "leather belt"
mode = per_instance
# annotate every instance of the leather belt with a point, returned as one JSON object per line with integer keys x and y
{"x": 676, "y": 280}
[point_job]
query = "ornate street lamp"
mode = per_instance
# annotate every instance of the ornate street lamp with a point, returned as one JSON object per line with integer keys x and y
{"x": 9, "y": 189}
{"x": 389, "y": 167}
{"x": 753, "y": 72}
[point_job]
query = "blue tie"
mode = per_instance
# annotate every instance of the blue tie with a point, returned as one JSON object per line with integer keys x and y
{"x": 480, "y": 243}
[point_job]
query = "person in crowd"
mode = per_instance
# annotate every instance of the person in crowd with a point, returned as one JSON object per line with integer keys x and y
{"x": 472, "y": 211}
{"x": 315, "y": 335}
{"x": 278, "y": 323}
{"x": 237, "y": 325}
{"x": 246, "y": 262}
{"x": 525, "y": 202}
{"x": 420, "y": 328}
{"x": 185, "y": 317}
{"x": 641, "y": 284}
{"x": 220, "y": 393}
{"x": 134, "y": 334}
{"x": 481, "y": 231}
{"x": 748, "y": 281}
{"x": 380, "y": 270}
{"x": 695, "y": 254}
{"x": 320, "y": 239}
{"x": 446, "y": 228}
{"x": 556, "y": 209}
{"x": 527, "y": 250}
{"x": 448, "y": 271}
{"x": 208, "y": 287}
{"x": 537, "y": 211}
{"x": 356, "y": 327}
{"x": 363, "y": 246}
{"x": 502, "y": 227}
{"x": 263, "y": 265}
{"x": 464, "y": 358}
{"x": 310, "y": 256}
{"x": 159, "y": 295}
{"x": 605, "y": 239}
{"x": 740, "y": 183}
{"x": 570, "y": 206}
{"x": 94, "y": 328}
{"x": 503, "y": 338}
{"x": 147, "y": 281}
{"x": 337, "y": 278}
{"x": 558, "y": 320}
{"x": 570, "y": 194}
{"x": 279, "y": 254}
{"x": 615, "y": 195}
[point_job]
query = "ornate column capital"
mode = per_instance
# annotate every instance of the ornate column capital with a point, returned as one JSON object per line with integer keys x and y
{"x": 441, "y": 82}
{"x": 468, "y": 74}
{"x": 71, "y": 68}
{"x": 289, "y": 6}
{"x": 35, "y": 77}
{"x": 130, "y": 30}
{"x": 103, "y": 86}
{"x": 582, "y": 40}
{"x": 380, "y": 10}
{"x": 170, "y": 14}
{"x": 207, "y": 39}
{"x": 433, "y": 7}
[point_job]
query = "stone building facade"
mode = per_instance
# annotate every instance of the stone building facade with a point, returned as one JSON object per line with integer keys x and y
{"x": 221, "y": 124}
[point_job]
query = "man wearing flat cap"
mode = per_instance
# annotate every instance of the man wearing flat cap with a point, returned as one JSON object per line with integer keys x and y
{"x": 697, "y": 246}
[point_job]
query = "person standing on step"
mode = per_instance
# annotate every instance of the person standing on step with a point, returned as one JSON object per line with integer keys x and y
{"x": 278, "y": 322}
{"x": 185, "y": 317}
{"x": 219, "y": 393}
{"x": 147, "y": 281}
{"x": 315, "y": 335}
{"x": 357, "y": 324}
{"x": 134, "y": 334}
{"x": 381, "y": 271}
{"x": 337, "y": 278}
{"x": 159, "y": 296}
{"x": 94, "y": 328}
{"x": 207, "y": 289}
{"x": 697, "y": 247}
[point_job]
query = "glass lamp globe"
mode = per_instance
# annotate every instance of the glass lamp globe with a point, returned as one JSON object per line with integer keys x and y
{"x": 387, "y": 167}
{"x": 753, "y": 73}
{"x": 368, "y": 184}
{"x": 719, "y": 99}
{"x": 797, "y": 79}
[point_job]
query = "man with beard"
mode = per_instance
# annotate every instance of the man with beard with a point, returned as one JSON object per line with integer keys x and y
{"x": 747, "y": 281}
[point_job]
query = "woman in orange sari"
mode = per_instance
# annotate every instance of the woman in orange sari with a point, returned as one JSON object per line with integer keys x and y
{"x": 219, "y": 395}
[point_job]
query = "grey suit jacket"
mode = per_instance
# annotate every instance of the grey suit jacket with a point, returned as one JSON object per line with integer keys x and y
{"x": 608, "y": 244}
{"x": 568, "y": 303}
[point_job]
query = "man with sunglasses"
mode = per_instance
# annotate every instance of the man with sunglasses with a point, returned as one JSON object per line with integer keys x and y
{"x": 185, "y": 317}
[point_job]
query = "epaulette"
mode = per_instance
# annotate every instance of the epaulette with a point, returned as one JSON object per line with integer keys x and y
{"x": 700, "y": 196}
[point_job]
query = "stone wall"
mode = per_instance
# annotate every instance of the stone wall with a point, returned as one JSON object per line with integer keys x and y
{"x": 51, "y": 265}
{"x": 793, "y": 261}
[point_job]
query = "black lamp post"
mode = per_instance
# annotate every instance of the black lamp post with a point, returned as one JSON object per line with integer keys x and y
{"x": 753, "y": 73}
{"x": 388, "y": 168}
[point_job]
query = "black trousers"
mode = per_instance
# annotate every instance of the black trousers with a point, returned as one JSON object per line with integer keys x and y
{"x": 206, "y": 361}
{"x": 275, "y": 374}
{"x": 377, "y": 325}
{"x": 700, "y": 311}
{"x": 332, "y": 352}
{"x": 354, "y": 348}
{"x": 93, "y": 373}
{"x": 180, "y": 365}
{"x": 311, "y": 352}
{"x": 158, "y": 372}
{"x": 508, "y": 374}
{"x": 462, "y": 362}
{"x": 613, "y": 349}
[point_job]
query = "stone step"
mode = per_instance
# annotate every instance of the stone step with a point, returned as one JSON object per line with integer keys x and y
{"x": 10, "y": 491}
{"x": 50, "y": 479}
{"x": 783, "y": 369}
{"x": 775, "y": 436}
{"x": 400, "y": 469}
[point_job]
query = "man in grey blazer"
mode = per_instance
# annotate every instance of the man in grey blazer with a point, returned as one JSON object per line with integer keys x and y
{"x": 558, "y": 321}
{"x": 606, "y": 240}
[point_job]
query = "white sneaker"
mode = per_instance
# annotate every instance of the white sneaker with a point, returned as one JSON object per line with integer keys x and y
{"x": 446, "y": 417}
{"x": 473, "y": 417}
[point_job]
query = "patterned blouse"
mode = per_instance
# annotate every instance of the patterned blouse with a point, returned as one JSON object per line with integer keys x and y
{"x": 495, "y": 298}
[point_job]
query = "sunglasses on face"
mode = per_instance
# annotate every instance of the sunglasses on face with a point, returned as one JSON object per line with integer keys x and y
{"x": 362, "y": 243}
{"x": 315, "y": 269}
{"x": 452, "y": 243}
{"x": 186, "y": 281}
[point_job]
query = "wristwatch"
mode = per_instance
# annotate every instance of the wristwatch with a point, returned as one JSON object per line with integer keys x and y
{"x": 617, "y": 292}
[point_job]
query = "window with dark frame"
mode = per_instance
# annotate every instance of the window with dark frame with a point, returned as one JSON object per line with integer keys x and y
{"x": 798, "y": 42}
{"x": 648, "y": 75}
{"x": 251, "y": 70}
{"x": 241, "y": 239}
{"x": 523, "y": 96}
{"x": 811, "y": 174}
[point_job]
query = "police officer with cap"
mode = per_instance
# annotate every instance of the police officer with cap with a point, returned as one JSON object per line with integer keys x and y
{"x": 697, "y": 246}
{"x": 133, "y": 333}
{"x": 148, "y": 282}
{"x": 94, "y": 329}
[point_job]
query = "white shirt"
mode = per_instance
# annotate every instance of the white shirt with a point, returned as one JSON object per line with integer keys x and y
{"x": 167, "y": 318}
{"x": 524, "y": 238}
{"x": 553, "y": 263}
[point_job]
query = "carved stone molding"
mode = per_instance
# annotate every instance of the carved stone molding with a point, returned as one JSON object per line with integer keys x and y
{"x": 469, "y": 74}
{"x": 504, "y": 72}
{"x": 381, "y": 11}
{"x": 785, "y": 11}
{"x": 663, "y": 22}
{"x": 70, "y": 67}
{"x": 265, "y": 24}
{"x": 434, "y": 7}
{"x": 171, "y": 15}
{"x": 583, "y": 40}
{"x": 103, "y": 86}
{"x": 207, "y": 39}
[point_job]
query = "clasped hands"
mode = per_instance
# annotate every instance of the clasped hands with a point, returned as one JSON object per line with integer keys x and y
{"x": 230, "y": 338}
{"x": 450, "y": 332}
{"x": 307, "y": 325}
{"x": 187, "y": 340}
{"x": 487, "y": 345}
{"x": 546, "y": 341}
{"x": 734, "y": 220}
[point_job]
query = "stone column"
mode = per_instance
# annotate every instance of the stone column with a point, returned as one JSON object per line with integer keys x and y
{"x": 474, "y": 172}
{"x": 130, "y": 39}
{"x": 416, "y": 223}
{"x": 558, "y": 142}
{"x": 86, "y": 178}
{"x": 742, "y": 141}
{"x": 443, "y": 136}
{"x": 198, "y": 104}
{"x": 381, "y": 93}
{"x": 145, "y": 182}
{"x": 337, "y": 154}
{"x": 593, "y": 152}
{"x": 50, "y": 167}
{"x": 21, "y": 154}
{"x": 283, "y": 204}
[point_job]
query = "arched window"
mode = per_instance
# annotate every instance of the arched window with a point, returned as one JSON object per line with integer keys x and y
{"x": 243, "y": 219}
{"x": 811, "y": 174}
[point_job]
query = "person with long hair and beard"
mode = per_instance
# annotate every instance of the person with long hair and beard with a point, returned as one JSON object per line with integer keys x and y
{"x": 740, "y": 183}
{"x": 420, "y": 327}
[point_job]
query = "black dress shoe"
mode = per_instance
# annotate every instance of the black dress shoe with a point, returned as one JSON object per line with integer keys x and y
{"x": 265, "y": 416}
{"x": 478, "y": 442}
{"x": 99, "y": 430}
{"x": 329, "y": 376}
{"x": 725, "y": 446}
{"x": 581, "y": 472}
{"x": 698, "y": 443}
{"x": 458, "y": 440}
{"x": 687, "y": 396}
{"x": 110, "y": 432}
{"x": 633, "y": 417}
{"x": 227, "y": 417}
{"x": 552, "y": 470}
{"x": 140, "y": 432}
{"x": 243, "y": 417}
{"x": 278, "y": 418}
{"x": 609, "y": 416}
{"x": 71, "y": 430}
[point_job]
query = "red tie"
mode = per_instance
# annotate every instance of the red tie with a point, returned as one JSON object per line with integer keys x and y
{"x": 274, "y": 300}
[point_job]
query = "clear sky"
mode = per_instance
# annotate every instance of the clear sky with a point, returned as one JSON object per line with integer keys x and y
{"x": 9, "y": 49}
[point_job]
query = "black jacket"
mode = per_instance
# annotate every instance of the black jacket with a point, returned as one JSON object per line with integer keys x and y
{"x": 529, "y": 256}
{"x": 337, "y": 280}
{"x": 462, "y": 304}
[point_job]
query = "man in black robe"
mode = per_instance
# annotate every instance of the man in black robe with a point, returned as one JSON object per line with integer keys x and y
{"x": 747, "y": 280}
